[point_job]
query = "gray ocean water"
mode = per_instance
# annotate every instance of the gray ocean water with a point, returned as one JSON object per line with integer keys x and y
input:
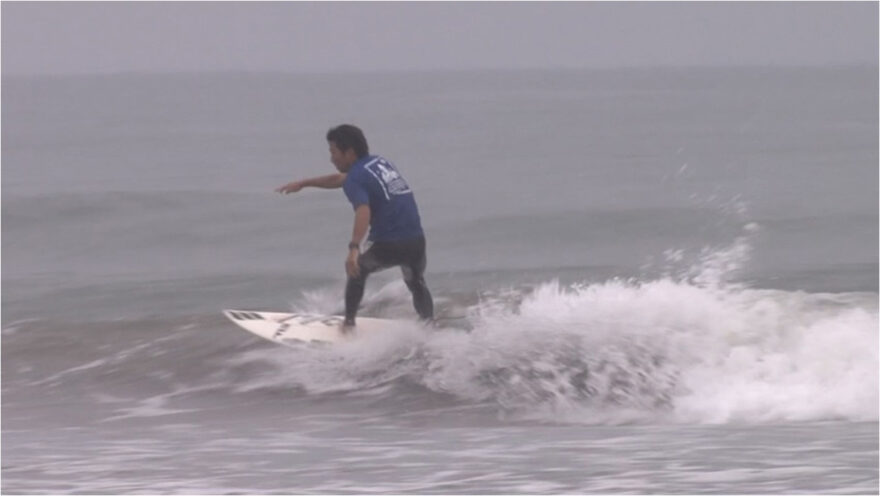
{"x": 657, "y": 280}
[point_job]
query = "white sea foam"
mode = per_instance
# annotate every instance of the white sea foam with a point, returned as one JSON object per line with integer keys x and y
{"x": 740, "y": 354}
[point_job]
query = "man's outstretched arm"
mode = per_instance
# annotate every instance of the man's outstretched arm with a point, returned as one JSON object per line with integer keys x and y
{"x": 330, "y": 181}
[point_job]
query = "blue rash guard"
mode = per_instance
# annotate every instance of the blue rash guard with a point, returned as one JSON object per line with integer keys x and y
{"x": 394, "y": 216}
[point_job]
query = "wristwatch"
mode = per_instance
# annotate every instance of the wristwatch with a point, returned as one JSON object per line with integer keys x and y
{"x": 354, "y": 246}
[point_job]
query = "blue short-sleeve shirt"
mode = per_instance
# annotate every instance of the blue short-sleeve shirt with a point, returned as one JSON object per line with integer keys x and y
{"x": 394, "y": 215}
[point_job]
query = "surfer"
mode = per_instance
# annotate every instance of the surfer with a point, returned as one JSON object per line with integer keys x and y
{"x": 382, "y": 200}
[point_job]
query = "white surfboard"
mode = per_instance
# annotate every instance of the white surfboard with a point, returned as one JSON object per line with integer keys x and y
{"x": 292, "y": 329}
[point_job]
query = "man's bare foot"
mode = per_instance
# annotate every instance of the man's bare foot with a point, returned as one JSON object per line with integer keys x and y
{"x": 347, "y": 327}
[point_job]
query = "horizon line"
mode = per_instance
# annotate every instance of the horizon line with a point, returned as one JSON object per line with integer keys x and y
{"x": 374, "y": 72}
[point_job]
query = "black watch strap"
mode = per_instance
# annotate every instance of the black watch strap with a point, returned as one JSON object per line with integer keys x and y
{"x": 354, "y": 246}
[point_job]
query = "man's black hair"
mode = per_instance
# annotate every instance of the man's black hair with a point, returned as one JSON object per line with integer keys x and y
{"x": 347, "y": 137}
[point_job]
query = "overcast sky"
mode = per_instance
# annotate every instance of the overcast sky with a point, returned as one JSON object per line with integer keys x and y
{"x": 73, "y": 37}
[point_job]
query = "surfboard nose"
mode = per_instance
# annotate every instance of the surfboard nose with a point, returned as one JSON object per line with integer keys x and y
{"x": 242, "y": 315}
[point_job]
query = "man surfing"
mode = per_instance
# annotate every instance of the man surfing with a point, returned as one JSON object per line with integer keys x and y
{"x": 384, "y": 202}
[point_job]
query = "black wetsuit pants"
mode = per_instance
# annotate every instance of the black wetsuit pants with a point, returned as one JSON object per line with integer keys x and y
{"x": 409, "y": 255}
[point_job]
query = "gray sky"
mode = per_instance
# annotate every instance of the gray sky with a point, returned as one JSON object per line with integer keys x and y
{"x": 73, "y": 37}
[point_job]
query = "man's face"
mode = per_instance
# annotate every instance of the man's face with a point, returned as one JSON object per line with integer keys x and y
{"x": 342, "y": 160}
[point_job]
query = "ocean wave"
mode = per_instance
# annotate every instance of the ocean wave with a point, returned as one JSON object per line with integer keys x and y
{"x": 658, "y": 350}
{"x": 690, "y": 346}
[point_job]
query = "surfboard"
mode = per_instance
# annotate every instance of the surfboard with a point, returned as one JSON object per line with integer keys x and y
{"x": 296, "y": 329}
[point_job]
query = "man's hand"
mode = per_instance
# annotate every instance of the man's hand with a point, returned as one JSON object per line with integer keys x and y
{"x": 351, "y": 263}
{"x": 290, "y": 187}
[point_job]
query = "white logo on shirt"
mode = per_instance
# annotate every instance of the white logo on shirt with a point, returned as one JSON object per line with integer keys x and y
{"x": 390, "y": 179}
